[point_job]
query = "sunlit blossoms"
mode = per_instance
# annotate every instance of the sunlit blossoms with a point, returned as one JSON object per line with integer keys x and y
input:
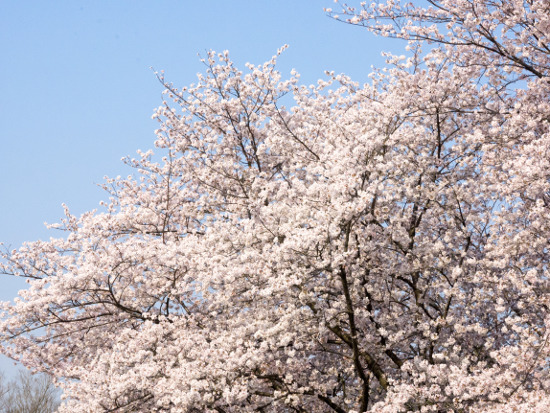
{"x": 329, "y": 248}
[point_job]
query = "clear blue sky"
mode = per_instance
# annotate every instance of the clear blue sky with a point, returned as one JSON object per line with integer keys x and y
{"x": 77, "y": 91}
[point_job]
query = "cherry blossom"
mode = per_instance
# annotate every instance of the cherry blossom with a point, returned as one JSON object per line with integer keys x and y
{"x": 318, "y": 248}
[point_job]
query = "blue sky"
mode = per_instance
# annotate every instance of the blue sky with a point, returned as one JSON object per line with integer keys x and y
{"x": 77, "y": 90}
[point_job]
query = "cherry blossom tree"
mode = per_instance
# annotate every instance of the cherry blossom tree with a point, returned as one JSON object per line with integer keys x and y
{"x": 327, "y": 248}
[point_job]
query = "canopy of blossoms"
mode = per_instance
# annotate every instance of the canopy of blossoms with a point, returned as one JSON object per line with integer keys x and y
{"x": 329, "y": 248}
